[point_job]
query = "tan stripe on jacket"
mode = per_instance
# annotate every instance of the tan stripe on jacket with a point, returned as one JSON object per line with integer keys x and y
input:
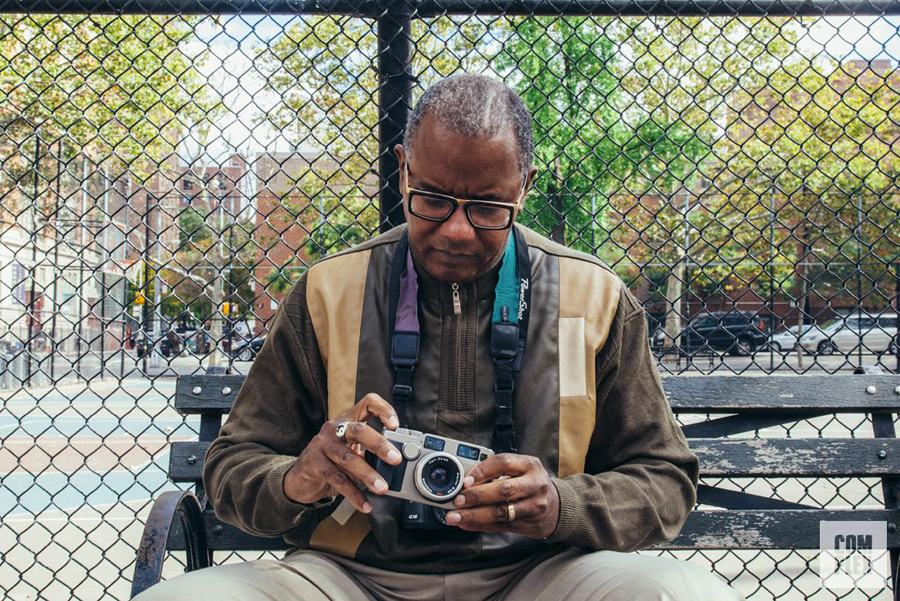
{"x": 588, "y": 298}
{"x": 335, "y": 292}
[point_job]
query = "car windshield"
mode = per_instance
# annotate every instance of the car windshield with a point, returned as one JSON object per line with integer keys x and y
{"x": 832, "y": 324}
{"x": 705, "y": 322}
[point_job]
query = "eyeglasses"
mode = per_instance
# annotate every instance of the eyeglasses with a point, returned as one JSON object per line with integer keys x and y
{"x": 482, "y": 214}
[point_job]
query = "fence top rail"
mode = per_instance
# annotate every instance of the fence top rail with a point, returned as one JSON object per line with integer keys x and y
{"x": 431, "y": 8}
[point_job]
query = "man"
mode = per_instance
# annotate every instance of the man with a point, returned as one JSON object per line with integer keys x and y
{"x": 596, "y": 464}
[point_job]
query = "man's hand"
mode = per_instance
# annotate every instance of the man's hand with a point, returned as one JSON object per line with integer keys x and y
{"x": 329, "y": 466}
{"x": 503, "y": 479}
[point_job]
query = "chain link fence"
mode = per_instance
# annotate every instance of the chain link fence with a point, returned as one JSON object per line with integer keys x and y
{"x": 167, "y": 173}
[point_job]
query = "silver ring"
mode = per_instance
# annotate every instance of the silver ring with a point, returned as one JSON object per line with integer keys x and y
{"x": 341, "y": 431}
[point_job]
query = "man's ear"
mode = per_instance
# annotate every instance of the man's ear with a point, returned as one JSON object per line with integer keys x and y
{"x": 529, "y": 180}
{"x": 401, "y": 157}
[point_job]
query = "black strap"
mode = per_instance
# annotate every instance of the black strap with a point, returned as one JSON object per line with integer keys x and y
{"x": 508, "y": 352}
{"x": 404, "y": 346}
{"x": 508, "y": 342}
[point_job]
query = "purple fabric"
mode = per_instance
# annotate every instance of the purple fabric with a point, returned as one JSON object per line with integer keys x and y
{"x": 407, "y": 306}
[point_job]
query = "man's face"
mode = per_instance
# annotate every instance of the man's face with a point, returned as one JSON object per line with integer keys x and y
{"x": 450, "y": 163}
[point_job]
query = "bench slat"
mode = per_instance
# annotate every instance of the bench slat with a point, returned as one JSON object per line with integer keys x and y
{"x": 733, "y": 458}
{"x": 210, "y": 397}
{"x": 707, "y": 394}
{"x": 745, "y": 394}
{"x": 733, "y": 529}
{"x": 770, "y": 529}
{"x": 795, "y": 457}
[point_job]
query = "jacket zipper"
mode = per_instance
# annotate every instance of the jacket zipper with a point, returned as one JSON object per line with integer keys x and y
{"x": 457, "y": 310}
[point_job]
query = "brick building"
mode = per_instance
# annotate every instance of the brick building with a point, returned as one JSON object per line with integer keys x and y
{"x": 297, "y": 192}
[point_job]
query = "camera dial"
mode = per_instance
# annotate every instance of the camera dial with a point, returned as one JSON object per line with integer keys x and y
{"x": 410, "y": 451}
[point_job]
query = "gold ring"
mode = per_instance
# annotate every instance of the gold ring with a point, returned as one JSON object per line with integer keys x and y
{"x": 510, "y": 511}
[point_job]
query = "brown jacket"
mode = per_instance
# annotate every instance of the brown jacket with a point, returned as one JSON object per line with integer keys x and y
{"x": 589, "y": 404}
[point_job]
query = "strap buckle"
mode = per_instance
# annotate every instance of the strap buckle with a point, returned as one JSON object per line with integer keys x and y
{"x": 402, "y": 392}
{"x": 504, "y": 439}
{"x": 405, "y": 349}
{"x": 504, "y": 341}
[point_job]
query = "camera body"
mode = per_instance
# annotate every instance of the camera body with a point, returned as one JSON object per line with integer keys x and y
{"x": 432, "y": 469}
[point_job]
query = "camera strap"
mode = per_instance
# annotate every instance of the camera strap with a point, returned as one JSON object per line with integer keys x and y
{"x": 509, "y": 329}
{"x": 404, "y": 326}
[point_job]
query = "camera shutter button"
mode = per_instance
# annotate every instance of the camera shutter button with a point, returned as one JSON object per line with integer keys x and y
{"x": 410, "y": 451}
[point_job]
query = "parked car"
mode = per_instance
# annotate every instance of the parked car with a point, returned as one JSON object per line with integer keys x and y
{"x": 247, "y": 350}
{"x": 787, "y": 339}
{"x": 657, "y": 338}
{"x": 735, "y": 332}
{"x": 876, "y": 334}
{"x": 142, "y": 340}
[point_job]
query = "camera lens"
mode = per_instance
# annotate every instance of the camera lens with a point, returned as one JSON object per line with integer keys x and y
{"x": 439, "y": 477}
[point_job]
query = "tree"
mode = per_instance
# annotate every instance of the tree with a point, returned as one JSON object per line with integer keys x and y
{"x": 323, "y": 72}
{"x": 119, "y": 90}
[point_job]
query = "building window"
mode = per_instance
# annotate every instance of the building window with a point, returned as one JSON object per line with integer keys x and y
{"x": 186, "y": 185}
{"x": 18, "y": 282}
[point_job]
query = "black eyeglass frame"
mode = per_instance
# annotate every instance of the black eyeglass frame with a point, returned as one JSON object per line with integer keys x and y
{"x": 457, "y": 201}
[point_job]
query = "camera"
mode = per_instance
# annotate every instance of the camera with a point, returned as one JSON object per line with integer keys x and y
{"x": 432, "y": 469}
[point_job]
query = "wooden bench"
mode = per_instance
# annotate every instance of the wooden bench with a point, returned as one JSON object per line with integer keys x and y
{"x": 712, "y": 407}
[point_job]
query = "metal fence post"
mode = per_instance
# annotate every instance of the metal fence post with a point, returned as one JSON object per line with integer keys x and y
{"x": 394, "y": 103}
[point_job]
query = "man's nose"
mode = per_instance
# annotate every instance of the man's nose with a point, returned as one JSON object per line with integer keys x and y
{"x": 457, "y": 227}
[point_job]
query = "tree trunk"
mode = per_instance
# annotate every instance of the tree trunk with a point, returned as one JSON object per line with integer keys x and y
{"x": 673, "y": 304}
{"x": 558, "y": 234}
{"x": 802, "y": 297}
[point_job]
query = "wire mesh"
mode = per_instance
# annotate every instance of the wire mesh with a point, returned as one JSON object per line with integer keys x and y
{"x": 166, "y": 175}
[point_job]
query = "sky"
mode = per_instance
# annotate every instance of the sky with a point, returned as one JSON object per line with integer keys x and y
{"x": 232, "y": 40}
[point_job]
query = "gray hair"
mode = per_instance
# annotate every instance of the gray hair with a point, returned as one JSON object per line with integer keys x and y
{"x": 477, "y": 106}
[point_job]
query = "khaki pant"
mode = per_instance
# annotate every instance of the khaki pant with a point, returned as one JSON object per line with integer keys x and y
{"x": 573, "y": 575}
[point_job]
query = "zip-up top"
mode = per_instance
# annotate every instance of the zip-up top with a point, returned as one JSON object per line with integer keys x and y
{"x": 588, "y": 404}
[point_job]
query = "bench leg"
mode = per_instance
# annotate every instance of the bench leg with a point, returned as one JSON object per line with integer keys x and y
{"x": 152, "y": 550}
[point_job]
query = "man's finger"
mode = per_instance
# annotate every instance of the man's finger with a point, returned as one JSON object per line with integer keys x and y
{"x": 485, "y": 515}
{"x": 373, "y": 405}
{"x": 355, "y": 467}
{"x": 342, "y": 483}
{"x": 362, "y": 434}
{"x": 504, "y": 464}
{"x": 497, "y": 491}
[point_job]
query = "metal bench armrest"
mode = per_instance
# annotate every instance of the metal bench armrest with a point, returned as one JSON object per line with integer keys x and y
{"x": 152, "y": 550}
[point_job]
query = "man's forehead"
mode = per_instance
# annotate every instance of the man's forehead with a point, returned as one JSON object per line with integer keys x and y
{"x": 433, "y": 130}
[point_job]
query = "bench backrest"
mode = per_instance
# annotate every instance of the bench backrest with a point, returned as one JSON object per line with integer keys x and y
{"x": 711, "y": 407}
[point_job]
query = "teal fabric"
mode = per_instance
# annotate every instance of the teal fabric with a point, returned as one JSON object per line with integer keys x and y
{"x": 506, "y": 293}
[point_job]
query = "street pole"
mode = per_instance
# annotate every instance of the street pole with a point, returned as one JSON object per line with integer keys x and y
{"x": 687, "y": 256}
{"x": 104, "y": 290}
{"x": 156, "y": 323}
{"x": 54, "y": 347}
{"x": 231, "y": 303}
{"x": 34, "y": 242}
{"x": 85, "y": 184}
{"x": 771, "y": 268}
{"x": 897, "y": 313}
{"x": 145, "y": 289}
{"x": 859, "y": 307}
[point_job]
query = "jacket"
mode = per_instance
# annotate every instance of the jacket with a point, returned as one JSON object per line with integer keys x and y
{"x": 589, "y": 404}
